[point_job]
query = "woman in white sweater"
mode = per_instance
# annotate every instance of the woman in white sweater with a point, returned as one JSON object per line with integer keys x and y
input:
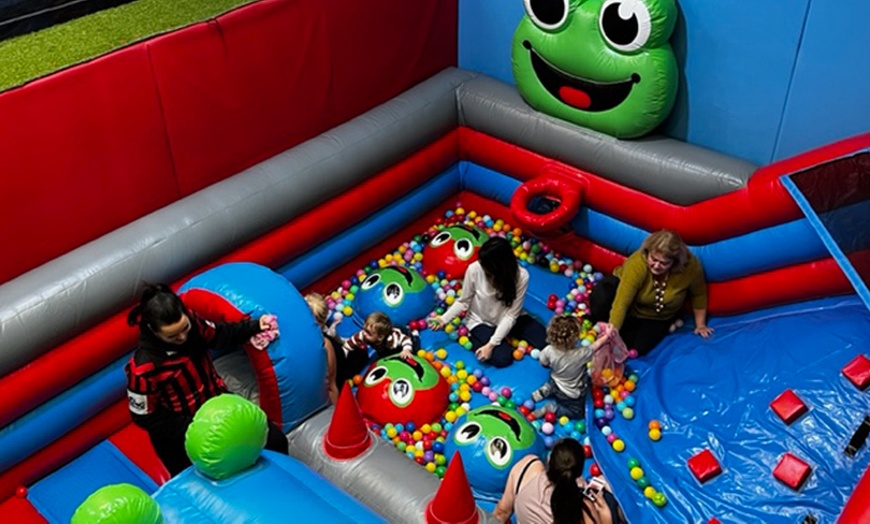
{"x": 492, "y": 294}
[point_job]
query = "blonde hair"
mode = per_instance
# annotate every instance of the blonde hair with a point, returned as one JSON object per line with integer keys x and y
{"x": 318, "y": 307}
{"x": 669, "y": 244}
{"x": 563, "y": 331}
{"x": 380, "y": 323}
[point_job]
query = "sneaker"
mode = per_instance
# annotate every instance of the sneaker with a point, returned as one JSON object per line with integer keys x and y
{"x": 549, "y": 407}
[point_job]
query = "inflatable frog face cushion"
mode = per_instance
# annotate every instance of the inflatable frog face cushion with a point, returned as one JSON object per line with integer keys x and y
{"x": 602, "y": 64}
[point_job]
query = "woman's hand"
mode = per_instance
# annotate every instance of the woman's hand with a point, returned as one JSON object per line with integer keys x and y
{"x": 436, "y": 324}
{"x": 484, "y": 351}
{"x": 268, "y": 322}
{"x": 704, "y": 331}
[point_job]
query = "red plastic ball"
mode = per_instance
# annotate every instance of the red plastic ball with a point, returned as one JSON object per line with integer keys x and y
{"x": 550, "y": 417}
{"x": 594, "y": 470}
{"x": 21, "y": 492}
{"x": 587, "y": 451}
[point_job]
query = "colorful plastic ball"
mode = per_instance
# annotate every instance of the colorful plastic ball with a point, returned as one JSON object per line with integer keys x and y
{"x": 618, "y": 445}
{"x": 629, "y": 401}
{"x": 493, "y": 396}
{"x": 655, "y": 435}
{"x": 642, "y": 482}
{"x": 633, "y": 463}
{"x": 564, "y": 420}
{"x": 620, "y": 406}
{"x": 606, "y": 431}
{"x": 659, "y": 499}
{"x": 598, "y": 413}
{"x": 655, "y": 424}
{"x": 550, "y": 417}
{"x": 611, "y": 437}
{"x": 506, "y": 392}
{"x": 547, "y": 428}
{"x": 440, "y": 471}
{"x": 548, "y": 442}
{"x": 649, "y": 492}
{"x": 635, "y": 473}
{"x": 628, "y": 413}
{"x": 594, "y": 470}
{"x": 529, "y": 404}
{"x": 580, "y": 426}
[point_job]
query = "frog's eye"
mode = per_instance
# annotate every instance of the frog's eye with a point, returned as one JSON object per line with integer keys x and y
{"x": 393, "y": 294}
{"x": 499, "y": 451}
{"x": 549, "y": 15}
{"x": 401, "y": 392}
{"x": 463, "y": 249}
{"x": 440, "y": 239}
{"x": 376, "y": 375}
{"x": 370, "y": 281}
{"x": 625, "y": 24}
{"x": 467, "y": 433}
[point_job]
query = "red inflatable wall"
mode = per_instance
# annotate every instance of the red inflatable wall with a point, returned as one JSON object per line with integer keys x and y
{"x": 93, "y": 147}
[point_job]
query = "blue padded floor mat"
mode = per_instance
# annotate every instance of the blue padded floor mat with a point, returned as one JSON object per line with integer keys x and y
{"x": 58, "y": 495}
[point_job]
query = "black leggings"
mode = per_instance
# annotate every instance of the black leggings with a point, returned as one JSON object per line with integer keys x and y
{"x": 167, "y": 438}
{"x": 641, "y": 334}
{"x": 526, "y": 328}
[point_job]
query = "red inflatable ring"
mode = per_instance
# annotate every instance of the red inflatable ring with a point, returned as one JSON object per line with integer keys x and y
{"x": 566, "y": 193}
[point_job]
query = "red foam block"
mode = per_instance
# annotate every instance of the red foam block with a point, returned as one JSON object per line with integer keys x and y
{"x": 788, "y": 406}
{"x": 792, "y": 471}
{"x": 704, "y": 465}
{"x": 858, "y": 372}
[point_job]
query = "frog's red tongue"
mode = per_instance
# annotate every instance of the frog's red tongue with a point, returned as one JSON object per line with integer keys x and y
{"x": 574, "y": 97}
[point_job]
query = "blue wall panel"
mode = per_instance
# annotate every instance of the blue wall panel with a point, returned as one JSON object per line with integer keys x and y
{"x": 830, "y": 92}
{"x": 759, "y": 81}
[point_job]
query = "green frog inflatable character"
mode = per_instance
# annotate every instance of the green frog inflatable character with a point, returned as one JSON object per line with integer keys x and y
{"x": 602, "y": 64}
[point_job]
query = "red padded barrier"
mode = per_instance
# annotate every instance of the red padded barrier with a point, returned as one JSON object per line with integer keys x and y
{"x": 275, "y": 73}
{"x": 83, "y": 355}
{"x": 763, "y": 203}
{"x": 379, "y": 50}
{"x": 20, "y": 511}
{"x": 135, "y": 444}
{"x": 780, "y": 286}
{"x": 84, "y": 152}
{"x": 62, "y": 450}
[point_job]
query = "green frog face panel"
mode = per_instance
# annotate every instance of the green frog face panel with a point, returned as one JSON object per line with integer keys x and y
{"x": 602, "y": 64}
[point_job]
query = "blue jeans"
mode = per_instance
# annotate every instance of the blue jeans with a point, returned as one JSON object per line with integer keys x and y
{"x": 525, "y": 328}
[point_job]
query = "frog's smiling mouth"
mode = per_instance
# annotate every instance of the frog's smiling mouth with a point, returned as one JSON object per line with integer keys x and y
{"x": 580, "y": 93}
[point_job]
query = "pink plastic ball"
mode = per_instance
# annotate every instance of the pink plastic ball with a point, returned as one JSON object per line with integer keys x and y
{"x": 506, "y": 392}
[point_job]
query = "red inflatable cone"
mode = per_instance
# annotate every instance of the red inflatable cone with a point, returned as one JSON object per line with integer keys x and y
{"x": 347, "y": 436}
{"x": 453, "y": 502}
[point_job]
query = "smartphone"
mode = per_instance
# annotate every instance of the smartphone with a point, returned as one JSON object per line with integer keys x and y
{"x": 593, "y": 488}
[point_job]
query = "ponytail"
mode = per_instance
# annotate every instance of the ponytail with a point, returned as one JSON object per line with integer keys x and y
{"x": 563, "y": 469}
{"x": 158, "y": 306}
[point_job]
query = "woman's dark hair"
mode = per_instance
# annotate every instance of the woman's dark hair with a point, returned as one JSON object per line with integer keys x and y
{"x": 496, "y": 257}
{"x": 159, "y": 306}
{"x": 563, "y": 469}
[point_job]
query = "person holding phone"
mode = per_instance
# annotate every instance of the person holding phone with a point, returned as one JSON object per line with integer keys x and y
{"x": 557, "y": 493}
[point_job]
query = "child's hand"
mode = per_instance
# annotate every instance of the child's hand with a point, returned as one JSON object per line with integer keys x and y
{"x": 335, "y": 323}
{"x": 406, "y": 353}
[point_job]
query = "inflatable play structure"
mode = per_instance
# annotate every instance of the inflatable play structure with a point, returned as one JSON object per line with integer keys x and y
{"x": 304, "y": 186}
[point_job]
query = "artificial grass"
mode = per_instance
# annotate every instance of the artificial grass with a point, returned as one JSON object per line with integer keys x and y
{"x": 31, "y": 56}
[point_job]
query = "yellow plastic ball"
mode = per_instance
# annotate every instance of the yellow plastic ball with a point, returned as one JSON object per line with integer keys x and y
{"x": 391, "y": 432}
{"x": 635, "y": 473}
{"x": 465, "y": 396}
{"x": 450, "y": 416}
{"x": 655, "y": 434}
{"x": 618, "y": 445}
{"x": 417, "y": 435}
{"x": 445, "y": 372}
{"x": 426, "y": 428}
{"x": 649, "y": 492}
{"x": 348, "y": 311}
{"x": 441, "y": 354}
{"x": 430, "y": 467}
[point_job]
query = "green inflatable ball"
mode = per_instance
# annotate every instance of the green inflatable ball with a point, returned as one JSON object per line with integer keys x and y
{"x": 118, "y": 504}
{"x": 602, "y": 64}
{"x": 226, "y": 436}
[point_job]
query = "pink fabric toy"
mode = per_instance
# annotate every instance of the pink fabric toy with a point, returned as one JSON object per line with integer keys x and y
{"x": 262, "y": 339}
